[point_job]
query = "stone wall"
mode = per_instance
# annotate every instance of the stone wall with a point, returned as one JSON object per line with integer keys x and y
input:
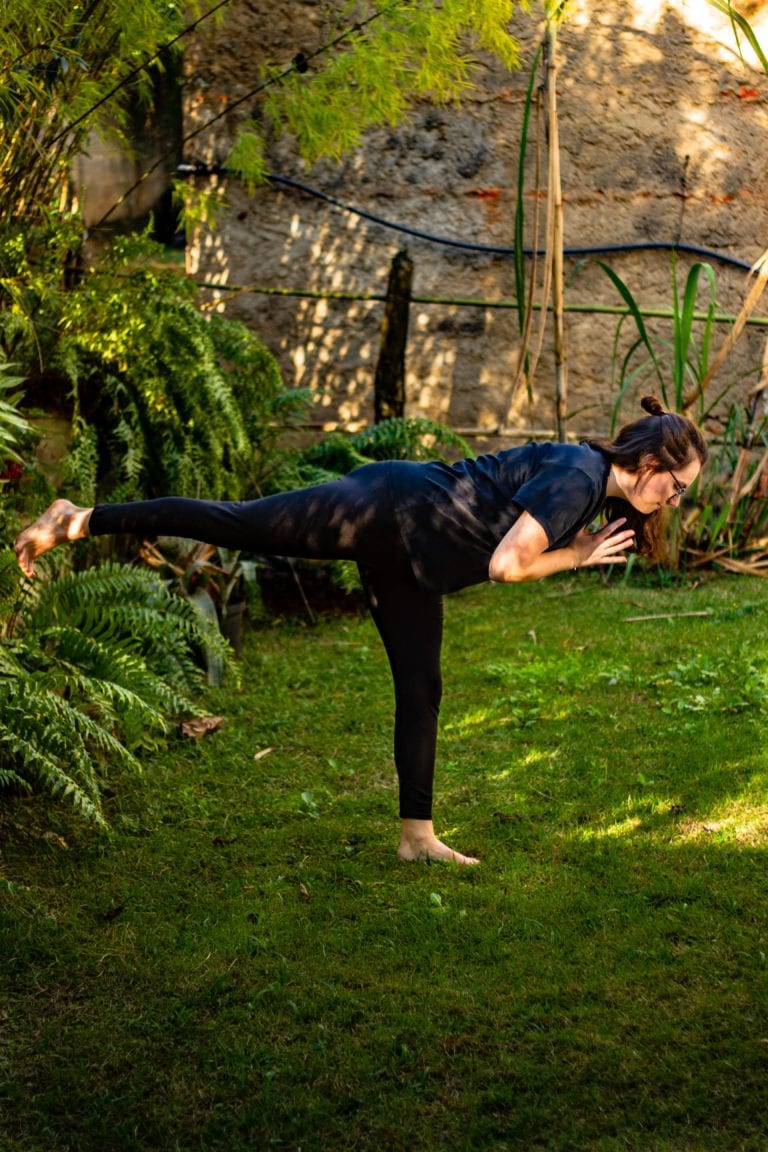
{"x": 663, "y": 133}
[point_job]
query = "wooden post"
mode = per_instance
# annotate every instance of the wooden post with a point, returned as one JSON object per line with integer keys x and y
{"x": 556, "y": 194}
{"x": 389, "y": 384}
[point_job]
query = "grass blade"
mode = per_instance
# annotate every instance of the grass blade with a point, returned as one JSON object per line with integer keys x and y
{"x": 636, "y": 315}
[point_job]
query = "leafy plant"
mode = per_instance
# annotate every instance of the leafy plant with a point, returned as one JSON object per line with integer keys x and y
{"x": 209, "y": 578}
{"x": 370, "y": 70}
{"x": 728, "y": 524}
{"x": 69, "y": 71}
{"x": 147, "y": 372}
{"x": 673, "y": 365}
{"x": 741, "y": 27}
{"x": 94, "y": 667}
{"x": 12, "y": 424}
{"x": 165, "y": 398}
{"x": 409, "y": 438}
{"x": 724, "y": 519}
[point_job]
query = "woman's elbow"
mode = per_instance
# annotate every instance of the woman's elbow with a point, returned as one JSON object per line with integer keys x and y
{"x": 505, "y": 571}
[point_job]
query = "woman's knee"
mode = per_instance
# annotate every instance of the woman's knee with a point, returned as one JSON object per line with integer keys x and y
{"x": 419, "y": 694}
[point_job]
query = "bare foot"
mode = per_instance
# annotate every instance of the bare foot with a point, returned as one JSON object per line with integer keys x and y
{"x": 60, "y": 523}
{"x": 418, "y": 842}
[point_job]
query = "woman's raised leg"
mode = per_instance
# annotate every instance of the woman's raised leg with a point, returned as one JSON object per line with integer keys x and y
{"x": 325, "y": 521}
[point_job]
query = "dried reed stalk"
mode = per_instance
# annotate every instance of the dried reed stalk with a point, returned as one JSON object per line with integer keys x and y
{"x": 760, "y": 272}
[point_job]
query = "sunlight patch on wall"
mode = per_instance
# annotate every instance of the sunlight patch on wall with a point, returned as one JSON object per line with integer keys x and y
{"x": 650, "y": 17}
{"x": 436, "y": 391}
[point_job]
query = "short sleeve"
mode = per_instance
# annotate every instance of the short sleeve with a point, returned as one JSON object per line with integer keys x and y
{"x": 561, "y": 500}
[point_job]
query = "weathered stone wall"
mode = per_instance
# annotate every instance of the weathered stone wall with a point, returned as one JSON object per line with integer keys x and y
{"x": 663, "y": 133}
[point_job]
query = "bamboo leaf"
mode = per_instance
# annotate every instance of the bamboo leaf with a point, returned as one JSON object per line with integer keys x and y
{"x": 519, "y": 222}
{"x": 740, "y": 24}
{"x": 636, "y": 314}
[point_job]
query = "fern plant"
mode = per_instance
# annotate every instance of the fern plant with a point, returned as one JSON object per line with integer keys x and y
{"x": 409, "y": 438}
{"x": 94, "y": 667}
{"x": 165, "y": 398}
{"x": 12, "y": 424}
{"x": 147, "y": 373}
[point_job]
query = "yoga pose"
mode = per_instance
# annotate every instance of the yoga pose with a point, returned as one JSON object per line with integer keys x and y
{"x": 420, "y": 530}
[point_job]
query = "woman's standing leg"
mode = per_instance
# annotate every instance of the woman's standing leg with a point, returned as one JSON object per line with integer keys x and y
{"x": 410, "y": 622}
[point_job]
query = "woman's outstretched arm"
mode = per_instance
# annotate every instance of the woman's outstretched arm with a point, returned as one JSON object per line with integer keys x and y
{"x": 522, "y": 554}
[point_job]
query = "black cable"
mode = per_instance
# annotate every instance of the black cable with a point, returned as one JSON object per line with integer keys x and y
{"x": 200, "y": 169}
{"x": 134, "y": 72}
{"x": 300, "y": 64}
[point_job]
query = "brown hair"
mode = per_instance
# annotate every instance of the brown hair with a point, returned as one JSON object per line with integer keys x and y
{"x": 673, "y": 441}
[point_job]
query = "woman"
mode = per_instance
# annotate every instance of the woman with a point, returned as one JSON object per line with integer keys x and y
{"x": 418, "y": 531}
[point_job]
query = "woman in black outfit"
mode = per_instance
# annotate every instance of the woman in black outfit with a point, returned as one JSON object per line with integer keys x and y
{"x": 418, "y": 531}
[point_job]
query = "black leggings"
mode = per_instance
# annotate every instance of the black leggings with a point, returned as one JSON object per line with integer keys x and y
{"x": 348, "y": 519}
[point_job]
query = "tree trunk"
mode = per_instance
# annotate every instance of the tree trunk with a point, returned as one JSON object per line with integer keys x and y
{"x": 389, "y": 400}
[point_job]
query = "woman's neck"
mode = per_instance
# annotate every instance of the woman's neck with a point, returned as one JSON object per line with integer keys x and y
{"x": 614, "y": 489}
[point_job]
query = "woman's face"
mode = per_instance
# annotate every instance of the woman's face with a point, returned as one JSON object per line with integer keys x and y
{"x": 653, "y": 487}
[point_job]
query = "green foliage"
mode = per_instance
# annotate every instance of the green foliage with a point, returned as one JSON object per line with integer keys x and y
{"x": 71, "y": 71}
{"x": 210, "y": 578}
{"x": 413, "y": 438}
{"x": 741, "y": 27}
{"x": 725, "y": 510}
{"x": 93, "y": 668}
{"x": 13, "y": 425}
{"x": 247, "y": 156}
{"x": 383, "y": 59}
{"x": 729, "y": 518}
{"x": 166, "y": 398}
{"x": 68, "y": 70}
{"x": 674, "y": 366}
{"x": 145, "y": 372}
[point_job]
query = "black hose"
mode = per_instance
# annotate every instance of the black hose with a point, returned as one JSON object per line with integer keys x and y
{"x": 201, "y": 169}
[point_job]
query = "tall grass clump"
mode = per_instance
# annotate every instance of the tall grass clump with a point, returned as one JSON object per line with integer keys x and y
{"x": 724, "y": 518}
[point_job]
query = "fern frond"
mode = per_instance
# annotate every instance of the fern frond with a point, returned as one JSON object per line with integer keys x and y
{"x": 102, "y": 660}
{"x": 414, "y": 438}
{"x": 10, "y": 779}
{"x": 9, "y": 577}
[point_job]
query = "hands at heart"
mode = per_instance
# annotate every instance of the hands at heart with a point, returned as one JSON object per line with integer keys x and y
{"x": 608, "y": 546}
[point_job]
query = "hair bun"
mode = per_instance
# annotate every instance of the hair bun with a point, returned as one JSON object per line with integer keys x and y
{"x": 652, "y": 406}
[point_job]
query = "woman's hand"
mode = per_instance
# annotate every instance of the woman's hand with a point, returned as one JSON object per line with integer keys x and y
{"x": 608, "y": 546}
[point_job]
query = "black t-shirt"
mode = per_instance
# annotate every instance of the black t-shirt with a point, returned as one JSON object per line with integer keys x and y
{"x": 453, "y": 516}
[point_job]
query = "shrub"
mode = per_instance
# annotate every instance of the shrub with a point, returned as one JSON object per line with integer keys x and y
{"x": 94, "y": 667}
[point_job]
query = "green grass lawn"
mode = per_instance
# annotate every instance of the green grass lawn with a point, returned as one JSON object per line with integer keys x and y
{"x": 244, "y": 963}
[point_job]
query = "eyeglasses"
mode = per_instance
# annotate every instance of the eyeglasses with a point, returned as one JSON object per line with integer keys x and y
{"x": 679, "y": 488}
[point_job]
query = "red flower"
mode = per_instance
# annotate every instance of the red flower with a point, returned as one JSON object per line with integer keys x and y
{"x": 12, "y": 470}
